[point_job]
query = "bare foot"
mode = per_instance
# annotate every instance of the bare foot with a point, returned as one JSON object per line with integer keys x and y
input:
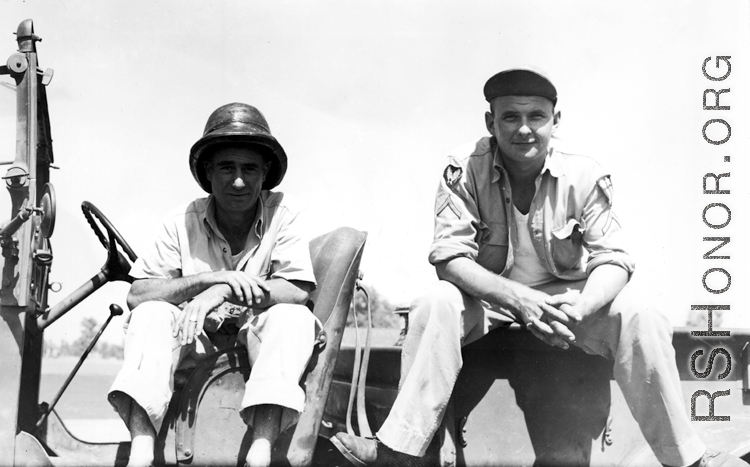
{"x": 265, "y": 432}
{"x": 142, "y": 434}
{"x": 259, "y": 454}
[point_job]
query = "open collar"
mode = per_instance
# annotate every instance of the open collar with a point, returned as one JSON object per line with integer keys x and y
{"x": 208, "y": 217}
{"x": 552, "y": 163}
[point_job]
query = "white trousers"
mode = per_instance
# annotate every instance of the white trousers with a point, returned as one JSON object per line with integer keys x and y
{"x": 279, "y": 343}
{"x": 638, "y": 339}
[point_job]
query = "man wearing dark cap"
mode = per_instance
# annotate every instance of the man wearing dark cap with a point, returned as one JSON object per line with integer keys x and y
{"x": 525, "y": 233}
{"x": 229, "y": 269}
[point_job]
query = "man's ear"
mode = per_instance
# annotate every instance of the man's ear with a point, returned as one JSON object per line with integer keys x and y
{"x": 489, "y": 121}
{"x": 207, "y": 167}
{"x": 266, "y": 169}
{"x": 556, "y": 120}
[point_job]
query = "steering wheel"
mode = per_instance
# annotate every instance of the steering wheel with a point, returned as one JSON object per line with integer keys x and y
{"x": 117, "y": 266}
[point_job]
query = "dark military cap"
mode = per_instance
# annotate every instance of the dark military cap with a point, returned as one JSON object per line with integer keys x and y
{"x": 520, "y": 82}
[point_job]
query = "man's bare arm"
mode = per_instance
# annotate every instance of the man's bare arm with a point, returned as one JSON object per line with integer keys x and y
{"x": 519, "y": 299}
{"x": 602, "y": 286}
{"x": 190, "y": 320}
{"x": 242, "y": 289}
{"x": 285, "y": 291}
{"x": 174, "y": 291}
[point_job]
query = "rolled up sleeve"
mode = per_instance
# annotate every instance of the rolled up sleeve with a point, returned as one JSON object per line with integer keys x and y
{"x": 290, "y": 258}
{"x": 163, "y": 259}
{"x": 603, "y": 236}
{"x": 456, "y": 216}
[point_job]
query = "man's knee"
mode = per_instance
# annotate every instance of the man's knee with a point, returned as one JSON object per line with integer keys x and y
{"x": 154, "y": 313}
{"x": 289, "y": 316}
{"x": 280, "y": 325}
{"x": 634, "y": 313}
{"x": 442, "y": 300}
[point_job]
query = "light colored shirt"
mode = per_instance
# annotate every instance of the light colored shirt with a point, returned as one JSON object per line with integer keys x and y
{"x": 528, "y": 268}
{"x": 571, "y": 223}
{"x": 189, "y": 242}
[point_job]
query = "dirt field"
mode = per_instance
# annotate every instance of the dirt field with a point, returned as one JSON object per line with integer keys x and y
{"x": 86, "y": 397}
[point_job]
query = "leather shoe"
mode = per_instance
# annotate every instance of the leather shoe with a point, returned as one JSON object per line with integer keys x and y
{"x": 713, "y": 458}
{"x": 362, "y": 452}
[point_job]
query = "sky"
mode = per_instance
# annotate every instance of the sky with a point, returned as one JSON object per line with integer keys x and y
{"x": 368, "y": 99}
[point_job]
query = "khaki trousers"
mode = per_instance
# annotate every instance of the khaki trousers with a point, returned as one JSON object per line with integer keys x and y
{"x": 636, "y": 338}
{"x": 279, "y": 342}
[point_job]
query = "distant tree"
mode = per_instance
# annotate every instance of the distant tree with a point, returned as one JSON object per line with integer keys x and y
{"x": 380, "y": 307}
{"x": 51, "y": 349}
{"x": 108, "y": 350}
{"x": 699, "y": 319}
{"x": 89, "y": 328}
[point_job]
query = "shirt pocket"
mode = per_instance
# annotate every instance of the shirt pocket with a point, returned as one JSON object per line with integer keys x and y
{"x": 493, "y": 246}
{"x": 566, "y": 245}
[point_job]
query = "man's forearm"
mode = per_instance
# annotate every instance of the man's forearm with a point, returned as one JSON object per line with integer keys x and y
{"x": 173, "y": 291}
{"x": 284, "y": 291}
{"x": 603, "y": 285}
{"x": 480, "y": 283}
{"x": 520, "y": 300}
{"x": 181, "y": 289}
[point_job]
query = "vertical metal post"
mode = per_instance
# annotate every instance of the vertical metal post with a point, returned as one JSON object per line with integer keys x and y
{"x": 16, "y": 258}
{"x": 26, "y": 145}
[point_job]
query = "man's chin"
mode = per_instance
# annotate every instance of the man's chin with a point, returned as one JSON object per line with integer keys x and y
{"x": 528, "y": 155}
{"x": 237, "y": 204}
{"x": 524, "y": 154}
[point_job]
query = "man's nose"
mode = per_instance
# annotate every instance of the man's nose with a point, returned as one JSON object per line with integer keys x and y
{"x": 238, "y": 182}
{"x": 524, "y": 130}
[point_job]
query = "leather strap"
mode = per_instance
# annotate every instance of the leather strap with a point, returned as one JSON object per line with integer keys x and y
{"x": 359, "y": 372}
{"x": 355, "y": 369}
{"x": 364, "y": 424}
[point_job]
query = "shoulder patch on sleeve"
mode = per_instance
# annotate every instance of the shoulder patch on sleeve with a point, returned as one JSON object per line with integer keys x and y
{"x": 606, "y": 185}
{"x": 452, "y": 174}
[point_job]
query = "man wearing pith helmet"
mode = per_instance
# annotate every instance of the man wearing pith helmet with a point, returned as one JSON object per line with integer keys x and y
{"x": 526, "y": 233}
{"x": 232, "y": 268}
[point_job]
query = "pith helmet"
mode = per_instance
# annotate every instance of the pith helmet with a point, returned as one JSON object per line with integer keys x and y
{"x": 238, "y": 123}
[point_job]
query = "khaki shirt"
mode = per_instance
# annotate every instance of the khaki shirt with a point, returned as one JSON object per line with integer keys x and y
{"x": 571, "y": 223}
{"x": 189, "y": 242}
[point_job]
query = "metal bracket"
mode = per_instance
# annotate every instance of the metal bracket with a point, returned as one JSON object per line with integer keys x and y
{"x": 744, "y": 363}
{"x": 607, "y": 435}
{"x": 461, "y": 432}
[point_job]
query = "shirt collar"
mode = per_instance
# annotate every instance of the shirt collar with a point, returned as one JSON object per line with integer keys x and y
{"x": 208, "y": 217}
{"x": 260, "y": 214}
{"x": 552, "y": 163}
